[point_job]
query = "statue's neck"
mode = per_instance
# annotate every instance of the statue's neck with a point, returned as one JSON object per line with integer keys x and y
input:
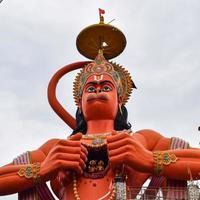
{"x": 100, "y": 126}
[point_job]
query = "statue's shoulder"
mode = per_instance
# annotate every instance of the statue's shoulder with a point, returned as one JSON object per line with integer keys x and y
{"x": 152, "y": 138}
{"x": 48, "y": 145}
{"x": 40, "y": 154}
{"x": 149, "y": 133}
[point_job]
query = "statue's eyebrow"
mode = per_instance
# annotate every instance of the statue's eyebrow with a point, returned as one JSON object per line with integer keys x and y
{"x": 99, "y": 82}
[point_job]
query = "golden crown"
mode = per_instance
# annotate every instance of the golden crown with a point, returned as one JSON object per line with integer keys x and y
{"x": 100, "y": 65}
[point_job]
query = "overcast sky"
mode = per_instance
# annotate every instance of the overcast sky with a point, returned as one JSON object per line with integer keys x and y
{"x": 37, "y": 37}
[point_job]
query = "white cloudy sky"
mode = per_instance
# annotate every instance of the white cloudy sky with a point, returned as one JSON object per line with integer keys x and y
{"x": 37, "y": 37}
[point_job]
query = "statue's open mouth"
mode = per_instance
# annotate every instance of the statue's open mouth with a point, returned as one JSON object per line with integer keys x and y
{"x": 98, "y": 163}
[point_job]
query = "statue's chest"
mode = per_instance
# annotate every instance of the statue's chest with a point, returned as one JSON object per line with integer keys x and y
{"x": 90, "y": 188}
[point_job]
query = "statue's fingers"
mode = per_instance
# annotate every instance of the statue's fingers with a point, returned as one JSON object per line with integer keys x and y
{"x": 119, "y": 143}
{"x": 71, "y": 143}
{"x": 121, "y": 150}
{"x": 66, "y": 156}
{"x": 117, "y": 160}
{"x": 115, "y": 137}
{"x": 72, "y": 165}
{"x": 67, "y": 149}
{"x": 82, "y": 164}
{"x": 83, "y": 157}
{"x": 77, "y": 157}
{"x": 76, "y": 136}
{"x": 84, "y": 149}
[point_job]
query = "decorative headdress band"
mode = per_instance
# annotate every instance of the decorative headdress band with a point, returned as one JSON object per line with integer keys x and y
{"x": 100, "y": 65}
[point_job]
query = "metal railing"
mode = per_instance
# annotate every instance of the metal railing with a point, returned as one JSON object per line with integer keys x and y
{"x": 192, "y": 192}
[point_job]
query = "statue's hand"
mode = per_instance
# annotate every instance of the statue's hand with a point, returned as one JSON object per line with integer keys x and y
{"x": 124, "y": 149}
{"x": 65, "y": 155}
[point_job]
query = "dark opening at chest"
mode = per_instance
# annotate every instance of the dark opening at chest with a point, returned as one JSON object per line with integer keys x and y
{"x": 97, "y": 164}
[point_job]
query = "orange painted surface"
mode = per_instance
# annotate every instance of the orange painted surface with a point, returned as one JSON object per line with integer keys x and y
{"x": 59, "y": 158}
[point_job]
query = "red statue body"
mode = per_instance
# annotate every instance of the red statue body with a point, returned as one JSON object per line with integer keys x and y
{"x": 71, "y": 165}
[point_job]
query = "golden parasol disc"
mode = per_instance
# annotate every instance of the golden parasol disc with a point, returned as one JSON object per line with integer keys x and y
{"x": 100, "y": 36}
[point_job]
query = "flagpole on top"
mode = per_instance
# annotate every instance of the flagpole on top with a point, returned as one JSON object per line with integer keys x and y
{"x": 101, "y": 12}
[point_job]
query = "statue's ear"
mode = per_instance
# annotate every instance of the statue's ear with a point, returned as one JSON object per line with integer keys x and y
{"x": 120, "y": 100}
{"x": 79, "y": 106}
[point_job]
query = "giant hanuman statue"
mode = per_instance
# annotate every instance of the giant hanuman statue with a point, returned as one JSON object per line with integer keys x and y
{"x": 103, "y": 158}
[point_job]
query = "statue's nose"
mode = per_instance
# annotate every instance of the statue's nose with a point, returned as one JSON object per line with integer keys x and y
{"x": 98, "y": 90}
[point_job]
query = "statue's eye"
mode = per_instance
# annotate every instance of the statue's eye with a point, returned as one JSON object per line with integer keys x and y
{"x": 91, "y": 89}
{"x": 106, "y": 88}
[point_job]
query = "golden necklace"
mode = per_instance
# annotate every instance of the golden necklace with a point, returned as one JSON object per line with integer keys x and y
{"x": 77, "y": 197}
{"x": 96, "y": 135}
{"x": 98, "y": 140}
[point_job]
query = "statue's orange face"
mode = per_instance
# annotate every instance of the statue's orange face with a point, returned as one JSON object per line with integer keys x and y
{"x": 99, "y": 98}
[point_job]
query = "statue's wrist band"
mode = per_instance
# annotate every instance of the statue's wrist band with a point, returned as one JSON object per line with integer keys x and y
{"x": 161, "y": 159}
{"x": 31, "y": 171}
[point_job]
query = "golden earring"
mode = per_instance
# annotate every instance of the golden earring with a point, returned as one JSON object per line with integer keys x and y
{"x": 120, "y": 109}
{"x": 79, "y": 110}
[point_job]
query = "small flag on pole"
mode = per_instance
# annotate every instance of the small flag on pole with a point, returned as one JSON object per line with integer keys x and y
{"x": 101, "y": 12}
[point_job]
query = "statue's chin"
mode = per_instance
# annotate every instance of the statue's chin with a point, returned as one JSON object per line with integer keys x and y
{"x": 98, "y": 113}
{"x": 100, "y": 109}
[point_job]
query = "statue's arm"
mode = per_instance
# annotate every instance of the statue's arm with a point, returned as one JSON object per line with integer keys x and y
{"x": 138, "y": 152}
{"x": 186, "y": 167}
{"x": 11, "y": 182}
{"x": 53, "y": 156}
